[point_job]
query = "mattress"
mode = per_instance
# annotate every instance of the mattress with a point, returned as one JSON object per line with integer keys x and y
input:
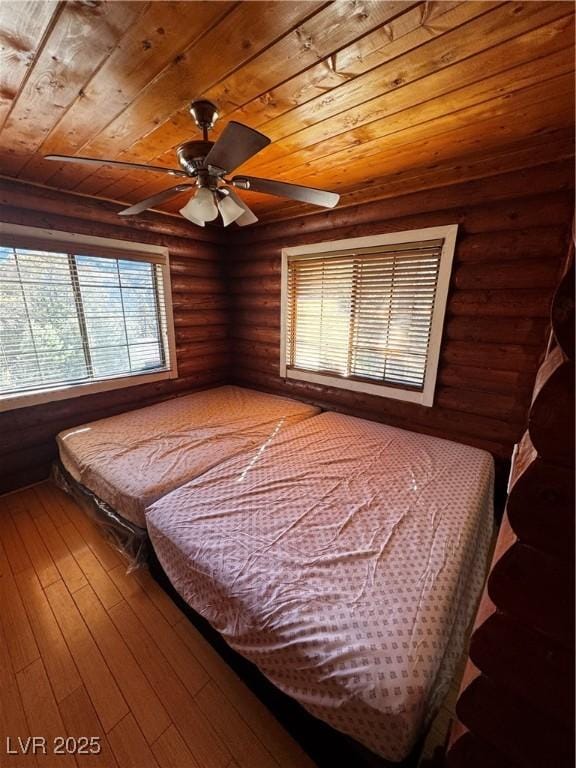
{"x": 132, "y": 459}
{"x": 345, "y": 559}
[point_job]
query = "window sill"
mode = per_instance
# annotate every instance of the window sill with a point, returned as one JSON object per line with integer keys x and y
{"x": 27, "y": 399}
{"x": 381, "y": 390}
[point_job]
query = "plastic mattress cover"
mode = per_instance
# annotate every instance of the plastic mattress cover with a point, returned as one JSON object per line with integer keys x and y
{"x": 345, "y": 559}
{"x": 128, "y": 539}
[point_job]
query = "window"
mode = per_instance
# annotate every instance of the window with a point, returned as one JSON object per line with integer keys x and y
{"x": 367, "y": 314}
{"x": 80, "y": 315}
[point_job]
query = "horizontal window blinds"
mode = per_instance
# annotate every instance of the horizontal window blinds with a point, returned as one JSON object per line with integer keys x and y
{"x": 68, "y": 318}
{"x": 364, "y": 314}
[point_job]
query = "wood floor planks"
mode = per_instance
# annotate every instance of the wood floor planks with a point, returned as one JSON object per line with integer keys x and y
{"x": 171, "y": 751}
{"x": 13, "y": 545}
{"x": 42, "y": 713}
{"x": 199, "y": 736}
{"x": 91, "y": 566}
{"x": 103, "y": 689}
{"x": 57, "y": 659}
{"x": 12, "y": 718}
{"x": 68, "y": 567}
{"x": 80, "y": 718}
{"x": 17, "y": 630}
{"x": 129, "y": 745}
{"x": 141, "y": 698}
{"x": 87, "y": 649}
{"x": 37, "y": 551}
{"x": 183, "y": 662}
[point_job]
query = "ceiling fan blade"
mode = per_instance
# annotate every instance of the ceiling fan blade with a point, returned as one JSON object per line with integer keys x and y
{"x": 248, "y": 217}
{"x": 237, "y": 144}
{"x": 160, "y": 197}
{"x": 115, "y": 163}
{"x": 292, "y": 191}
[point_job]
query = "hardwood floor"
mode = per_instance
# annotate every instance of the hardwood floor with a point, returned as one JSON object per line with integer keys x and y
{"x": 87, "y": 649}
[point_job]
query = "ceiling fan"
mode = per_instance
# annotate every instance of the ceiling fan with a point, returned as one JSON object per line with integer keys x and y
{"x": 207, "y": 163}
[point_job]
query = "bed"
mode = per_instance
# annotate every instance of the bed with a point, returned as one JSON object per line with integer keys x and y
{"x": 130, "y": 460}
{"x": 345, "y": 560}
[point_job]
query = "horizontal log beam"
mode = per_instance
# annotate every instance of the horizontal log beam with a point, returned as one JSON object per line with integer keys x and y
{"x": 507, "y": 275}
{"x": 192, "y": 285}
{"x": 473, "y": 378}
{"x": 192, "y": 266}
{"x": 186, "y": 318}
{"x": 452, "y": 424}
{"x": 200, "y": 301}
{"x": 515, "y": 185}
{"x": 532, "y": 243}
{"x": 498, "y": 330}
{"x": 202, "y": 332}
{"x": 44, "y": 200}
{"x": 525, "y": 303}
{"x": 175, "y": 245}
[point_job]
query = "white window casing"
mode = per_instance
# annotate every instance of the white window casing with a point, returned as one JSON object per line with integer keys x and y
{"x": 367, "y": 314}
{"x": 80, "y": 315}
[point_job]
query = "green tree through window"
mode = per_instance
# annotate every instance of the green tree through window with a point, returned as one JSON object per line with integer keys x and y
{"x": 68, "y": 318}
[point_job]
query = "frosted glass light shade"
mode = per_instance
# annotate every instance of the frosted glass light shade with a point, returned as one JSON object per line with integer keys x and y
{"x": 247, "y": 216}
{"x": 229, "y": 210}
{"x": 187, "y": 215}
{"x": 201, "y": 207}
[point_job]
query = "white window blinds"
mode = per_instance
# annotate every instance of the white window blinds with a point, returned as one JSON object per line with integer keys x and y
{"x": 363, "y": 314}
{"x": 69, "y": 318}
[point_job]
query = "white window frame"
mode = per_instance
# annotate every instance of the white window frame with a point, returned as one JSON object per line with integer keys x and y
{"x": 426, "y": 395}
{"x": 51, "y": 239}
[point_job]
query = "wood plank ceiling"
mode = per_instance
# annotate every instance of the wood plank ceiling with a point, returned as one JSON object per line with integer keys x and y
{"x": 369, "y": 98}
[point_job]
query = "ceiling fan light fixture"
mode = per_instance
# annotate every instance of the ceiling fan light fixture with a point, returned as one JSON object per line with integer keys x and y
{"x": 187, "y": 215}
{"x": 201, "y": 207}
{"x": 247, "y": 216}
{"x": 206, "y": 205}
{"x": 229, "y": 210}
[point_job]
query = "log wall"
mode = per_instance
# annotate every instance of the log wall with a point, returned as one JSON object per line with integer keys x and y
{"x": 516, "y": 703}
{"x": 27, "y": 445}
{"x": 513, "y": 234}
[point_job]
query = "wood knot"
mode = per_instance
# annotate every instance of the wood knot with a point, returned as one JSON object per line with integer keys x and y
{"x": 305, "y": 40}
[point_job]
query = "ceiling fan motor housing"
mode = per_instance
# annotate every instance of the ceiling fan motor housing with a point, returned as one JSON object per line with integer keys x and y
{"x": 191, "y": 155}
